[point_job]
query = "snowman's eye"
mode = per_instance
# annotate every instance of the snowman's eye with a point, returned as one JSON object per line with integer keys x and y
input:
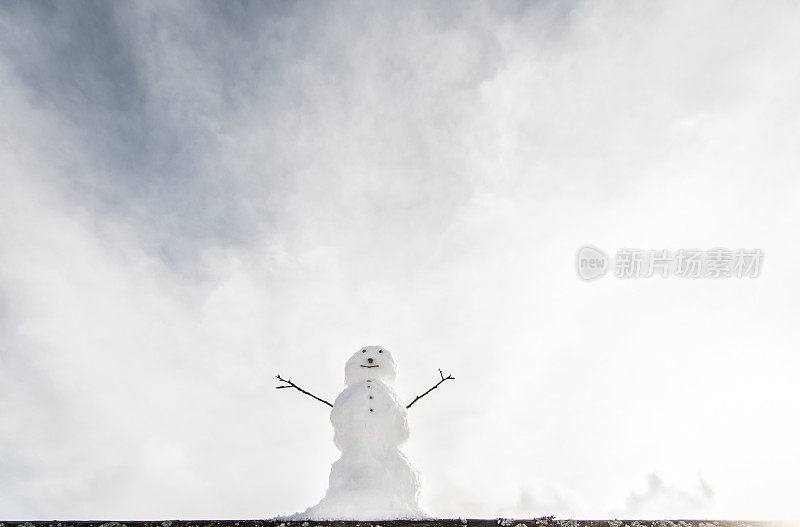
{"x": 380, "y": 351}
{"x": 363, "y": 351}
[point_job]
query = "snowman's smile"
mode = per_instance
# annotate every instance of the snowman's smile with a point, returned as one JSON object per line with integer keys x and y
{"x": 370, "y": 366}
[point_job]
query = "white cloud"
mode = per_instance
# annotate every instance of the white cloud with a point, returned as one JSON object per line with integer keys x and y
{"x": 664, "y": 500}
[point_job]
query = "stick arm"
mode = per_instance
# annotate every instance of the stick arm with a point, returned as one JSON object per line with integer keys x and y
{"x": 418, "y": 397}
{"x": 290, "y": 384}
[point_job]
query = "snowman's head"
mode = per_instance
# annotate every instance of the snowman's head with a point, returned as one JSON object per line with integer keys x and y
{"x": 370, "y": 362}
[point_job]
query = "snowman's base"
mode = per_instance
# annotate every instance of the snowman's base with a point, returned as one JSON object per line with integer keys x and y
{"x": 500, "y": 522}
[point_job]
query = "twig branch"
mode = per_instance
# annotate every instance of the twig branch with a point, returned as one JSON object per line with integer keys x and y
{"x": 431, "y": 389}
{"x": 290, "y": 384}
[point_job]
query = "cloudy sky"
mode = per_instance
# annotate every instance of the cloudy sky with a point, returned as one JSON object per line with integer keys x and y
{"x": 198, "y": 196}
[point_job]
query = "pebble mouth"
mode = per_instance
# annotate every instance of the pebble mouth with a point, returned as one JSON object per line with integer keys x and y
{"x": 372, "y": 366}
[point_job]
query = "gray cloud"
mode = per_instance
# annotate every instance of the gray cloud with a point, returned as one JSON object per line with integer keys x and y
{"x": 197, "y": 196}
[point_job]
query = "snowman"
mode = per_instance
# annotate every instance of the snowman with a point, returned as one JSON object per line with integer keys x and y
{"x": 372, "y": 479}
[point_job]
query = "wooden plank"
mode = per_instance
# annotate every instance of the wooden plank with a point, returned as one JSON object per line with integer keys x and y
{"x": 457, "y": 522}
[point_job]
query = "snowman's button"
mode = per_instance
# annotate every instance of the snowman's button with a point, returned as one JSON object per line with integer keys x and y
{"x": 370, "y": 409}
{"x": 370, "y": 397}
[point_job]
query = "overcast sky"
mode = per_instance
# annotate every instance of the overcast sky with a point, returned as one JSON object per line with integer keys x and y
{"x": 198, "y": 196}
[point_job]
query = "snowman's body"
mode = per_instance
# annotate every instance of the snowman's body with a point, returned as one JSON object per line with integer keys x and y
{"x": 372, "y": 479}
